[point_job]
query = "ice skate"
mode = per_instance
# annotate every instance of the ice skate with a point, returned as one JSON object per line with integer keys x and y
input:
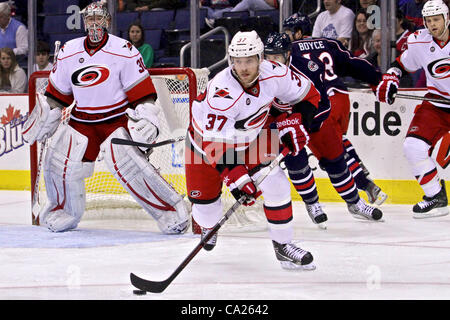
{"x": 316, "y": 214}
{"x": 361, "y": 210}
{"x": 211, "y": 243}
{"x": 374, "y": 194}
{"x": 292, "y": 257}
{"x": 432, "y": 206}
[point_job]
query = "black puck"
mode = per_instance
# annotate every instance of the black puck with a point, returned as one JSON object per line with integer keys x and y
{"x": 139, "y": 292}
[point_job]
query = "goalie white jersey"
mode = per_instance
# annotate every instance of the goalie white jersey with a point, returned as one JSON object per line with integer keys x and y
{"x": 433, "y": 56}
{"x": 228, "y": 113}
{"x": 102, "y": 81}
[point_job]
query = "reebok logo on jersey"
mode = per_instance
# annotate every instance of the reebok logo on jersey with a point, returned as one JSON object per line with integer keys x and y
{"x": 90, "y": 76}
{"x": 288, "y": 122}
{"x": 440, "y": 69}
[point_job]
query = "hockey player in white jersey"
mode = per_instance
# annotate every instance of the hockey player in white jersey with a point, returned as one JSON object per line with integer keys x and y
{"x": 114, "y": 97}
{"x": 429, "y": 131}
{"x": 227, "y": 126}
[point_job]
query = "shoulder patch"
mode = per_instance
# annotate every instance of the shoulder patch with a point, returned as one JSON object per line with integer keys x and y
{"x": 312, "y": 66}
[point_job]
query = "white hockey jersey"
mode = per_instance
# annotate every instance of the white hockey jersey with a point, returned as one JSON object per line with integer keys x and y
{"x": 102, "y": 81}
{"x": 228, "y": 113}
{"x": 434, "y": 57}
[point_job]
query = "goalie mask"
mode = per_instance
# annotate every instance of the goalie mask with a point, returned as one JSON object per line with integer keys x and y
{"x": 96, "y": 21}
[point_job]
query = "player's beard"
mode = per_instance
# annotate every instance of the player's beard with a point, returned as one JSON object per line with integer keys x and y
{"x": 246, "y": 78}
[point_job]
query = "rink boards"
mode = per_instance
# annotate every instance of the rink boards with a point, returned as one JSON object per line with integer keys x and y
{"x": 376, "y": 131}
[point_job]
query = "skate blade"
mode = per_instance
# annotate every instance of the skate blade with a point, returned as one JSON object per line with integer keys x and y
{"x": 360, "y": 217}
{"x": 438, "y": 212}
{"x": 322, "y": 226}
{"x": 287, "y": 265}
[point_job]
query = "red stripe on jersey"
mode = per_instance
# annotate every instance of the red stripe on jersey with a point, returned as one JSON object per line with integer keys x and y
{"x": 142, "y": 89}
{"x": 279, "y": 214}
{"x": 345, "y": 187}
{"x": 354, "y": 166}
{"x": 65, "y": 99}
{"x": 119, "y": 55}
{"x": 427, "y": 177}
{"x": 73, "y": 54}
{"x": 304, "y": 186}
{"x": 313, "y": 96}
{"x": 102, "y": 107}
{"x": 436, "y": 89}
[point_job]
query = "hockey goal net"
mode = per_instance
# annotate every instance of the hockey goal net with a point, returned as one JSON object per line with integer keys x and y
{"x": 105, "y": 197}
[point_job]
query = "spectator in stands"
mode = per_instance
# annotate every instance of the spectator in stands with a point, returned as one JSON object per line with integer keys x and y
{"x": 12, "y": 78}
{"x": 216, "y": 8}
{"x": 361, "y": 41}
{"x": 42, "y": 62}
{"x": 249, "y": 5}
{"x": 13, "y": 34}
{"x": 335, "y": 23}
{"x": 364, "y": 4}
{"x": 413, "y": 12}
{"x": 136, "y": 36}
{"x": 146, "y": 5}
{"x": 403, "y": 29}
{"x": 375, "y": 57}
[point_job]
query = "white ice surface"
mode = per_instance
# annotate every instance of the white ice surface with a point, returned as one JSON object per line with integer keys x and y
{"x": 401, "y": 258}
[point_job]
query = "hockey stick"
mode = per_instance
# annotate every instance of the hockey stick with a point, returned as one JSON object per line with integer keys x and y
{"x": 145, "y": 145}
{"x": 407, "y": 96}
{"x": 35, "y": 196}
{"x": 160, "y": 286}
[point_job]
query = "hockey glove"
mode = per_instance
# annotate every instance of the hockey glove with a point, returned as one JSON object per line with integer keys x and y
{"x": 143, "y": 123}
{"x": 240, "y": 184}
{"x": 387, "y": 88}
{"x": 42, "y": 121}
{"x": 291, "y": 132}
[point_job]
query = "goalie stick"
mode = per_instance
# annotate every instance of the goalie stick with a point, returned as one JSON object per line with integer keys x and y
{"x": 43, "y": 146}
{"x": 145, "y": 145}
{"x": 160, "y": 286}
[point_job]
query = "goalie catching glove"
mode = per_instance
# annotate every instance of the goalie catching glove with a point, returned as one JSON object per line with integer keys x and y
{"x": 143, "y": 123}
{"x": 240, "y": 184}
{"x": 42, "y": 121}
{"x": 291, "y": 132}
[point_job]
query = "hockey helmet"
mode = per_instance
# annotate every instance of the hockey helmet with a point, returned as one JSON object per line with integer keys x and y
{"x": 298, "y": 21}
{"x": 245, "y": 44}
{"x": 277, "y": 43}
{"x": 98, "y": 28}
{"x": 433, "y": 8}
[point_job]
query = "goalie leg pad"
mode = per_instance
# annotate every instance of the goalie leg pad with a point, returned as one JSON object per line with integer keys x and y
{"x": 143, "y": 182}
{"x": 64, "y": 174}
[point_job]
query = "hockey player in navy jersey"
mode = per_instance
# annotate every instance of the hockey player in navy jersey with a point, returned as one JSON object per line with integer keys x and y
{"x": 325, "y": 141}
{"x": 338, "y": 62}
{"x": 428, "y": 137}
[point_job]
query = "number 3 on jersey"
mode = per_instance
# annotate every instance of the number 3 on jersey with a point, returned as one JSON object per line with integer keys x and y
{"x": 141, "y": 65}
{"x": 327, "y": 61}
{"x": 212, "y": 118}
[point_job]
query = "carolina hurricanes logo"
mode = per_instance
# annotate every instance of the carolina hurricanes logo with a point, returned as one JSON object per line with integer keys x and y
{"x": 255, "y": 120}
{"x": 440, "y": 69}
{"x": 90, "y": 76}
